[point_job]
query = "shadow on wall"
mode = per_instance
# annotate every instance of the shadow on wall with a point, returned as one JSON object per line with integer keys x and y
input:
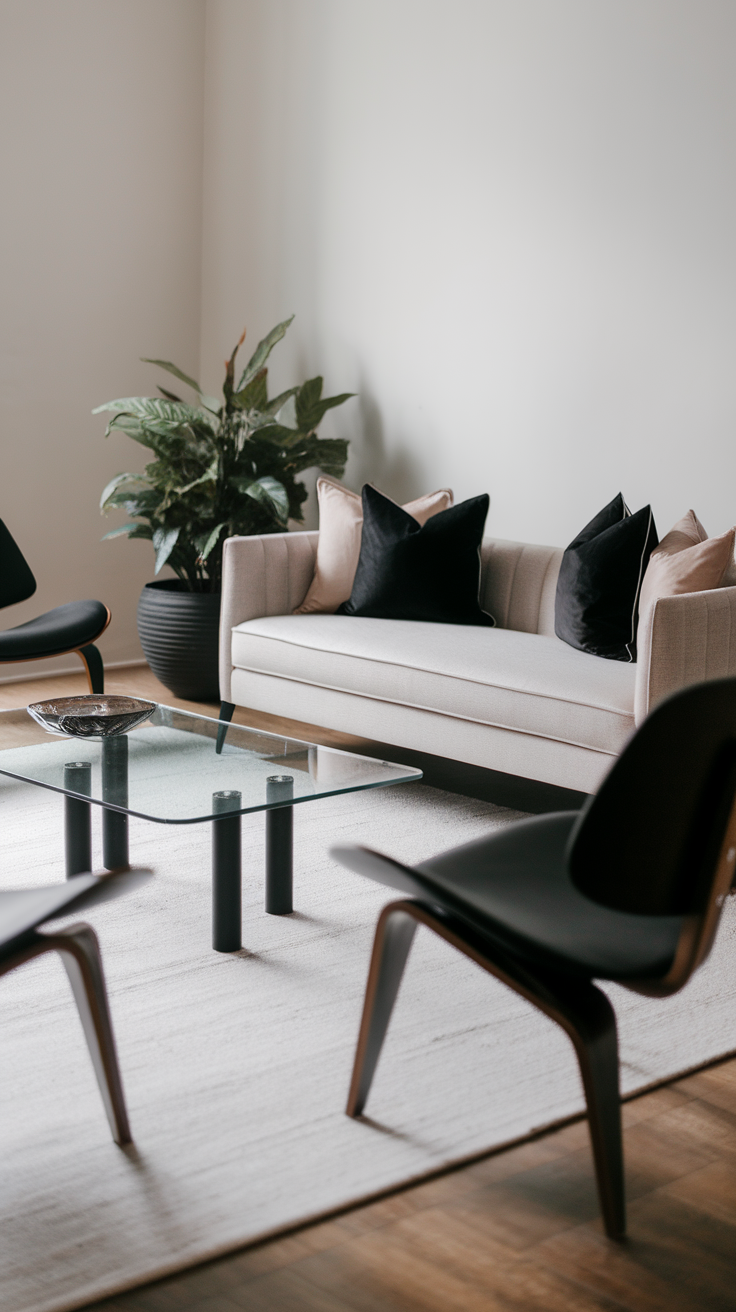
{"x": 397, "y": 473}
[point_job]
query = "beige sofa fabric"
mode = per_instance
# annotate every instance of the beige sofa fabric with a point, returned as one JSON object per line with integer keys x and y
{"x": 521, "y": 681}
{"x": 267, "y": 575}
{"x": 485, "y": 745}
{"x": 524, "y": 703}
{"x": 684, "y": 639}
{"x": 518, "y": 584}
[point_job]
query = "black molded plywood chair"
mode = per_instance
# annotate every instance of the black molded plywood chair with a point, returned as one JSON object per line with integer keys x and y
{"x": 75, "y": 626}
{"x": 629, "y": 889}
{"x": 22, "y": 911}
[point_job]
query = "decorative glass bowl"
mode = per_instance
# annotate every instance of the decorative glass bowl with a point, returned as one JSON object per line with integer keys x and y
{"x": 93, "y": 716}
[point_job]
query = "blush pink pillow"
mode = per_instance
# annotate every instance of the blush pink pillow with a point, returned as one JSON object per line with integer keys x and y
{"x": 687, "y": 560}
{"x": 340, "y": 532}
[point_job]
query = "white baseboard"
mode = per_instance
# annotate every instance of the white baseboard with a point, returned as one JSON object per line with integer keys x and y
{"x": 76, "y": 668}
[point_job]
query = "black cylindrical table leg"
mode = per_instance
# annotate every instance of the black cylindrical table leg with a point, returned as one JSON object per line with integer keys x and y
{"x": 115, "y": 789}
{"x": 226, "y": 901}
{"x": 280, "y": 846}
{"x": 77, "y": 819}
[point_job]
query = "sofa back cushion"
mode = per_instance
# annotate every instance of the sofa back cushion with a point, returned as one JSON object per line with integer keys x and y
{"x": 518, "y": 584}
{"x": 518, "y": 580}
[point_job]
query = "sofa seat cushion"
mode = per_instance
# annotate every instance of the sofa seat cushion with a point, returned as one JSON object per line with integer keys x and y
{"x": 520, "y": 681}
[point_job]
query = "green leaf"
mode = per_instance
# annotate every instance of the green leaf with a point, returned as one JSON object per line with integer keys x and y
{"x": 118, "y": 532}
{"x": 209, "y": 544}
{"x": 306, "y": 399}
{"x": 263, "y": 427}
{"x": 326, "y": 453}
{"x": 262, "y": 352}
{"x": 310, "y": 409}
{"x": 164, "y": 541}
{"x": 114, "y": 484}
{"x": 228, "y": 387}
{"x": 218, "y": 466}
{"x": 254, "y": 396}
{"x": 269, "y": 492}
{"x": 209, "y": 476}
{"x": 154, "y": 408}
{"x": 130, "y": 426}
{"x": 172, "y": 369}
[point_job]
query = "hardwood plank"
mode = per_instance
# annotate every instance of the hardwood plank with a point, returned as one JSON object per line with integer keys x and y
{"x": 716, "y": 1086}
{"x": 701, "y": 1125}
{"x": 434, "y": 1262}
{"x": 442, "y": 1238}
{"x": 290, "y": 1291}
{"x": 655, "y": 1156}
{"x": 712, "y": 1191}
{"x": 642, "y": 1275}
{"x": 534, "y": 1204}
{"x": 379, "y": 1270}
{"x": 265, "y": 1258}
{"x": 644, "y": 1108}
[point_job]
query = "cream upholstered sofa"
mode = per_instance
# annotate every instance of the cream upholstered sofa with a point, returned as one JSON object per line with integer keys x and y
{"x": 512, "y": 698}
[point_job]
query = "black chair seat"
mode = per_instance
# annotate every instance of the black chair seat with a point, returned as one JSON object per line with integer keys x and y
{"x": 60, "y": 630}
{"x": 517, "y": 882}
{"x": 74, "y": 627}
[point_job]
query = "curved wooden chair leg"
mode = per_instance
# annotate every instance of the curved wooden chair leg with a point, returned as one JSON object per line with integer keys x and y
{"x": 596, "y": 1046}
{"x": 95, "y": 669}
{"x": 577, "y": 1006}
{"x": 80, "y": 953}
{"x": 394, "y": 936}
{"x": 587, "y": 1017}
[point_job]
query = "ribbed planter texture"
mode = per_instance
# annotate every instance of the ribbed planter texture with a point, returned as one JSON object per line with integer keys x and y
{"x": 179, "y": 635}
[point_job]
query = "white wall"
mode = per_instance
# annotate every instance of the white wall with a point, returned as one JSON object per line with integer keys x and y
{"x": 100, "y": 211}
{"x": 508, "y": 223}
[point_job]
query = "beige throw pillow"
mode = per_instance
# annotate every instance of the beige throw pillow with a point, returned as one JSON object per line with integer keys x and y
{"x": 338, "y": 549}
{"x": 687, "y": 560}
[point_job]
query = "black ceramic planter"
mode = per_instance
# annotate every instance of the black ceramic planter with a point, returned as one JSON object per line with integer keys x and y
{"x": 179, "y": 633}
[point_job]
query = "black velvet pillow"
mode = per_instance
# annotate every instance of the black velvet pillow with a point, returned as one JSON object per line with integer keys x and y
{"x": 600, "y": 579}
{"x": 412, "y": 571}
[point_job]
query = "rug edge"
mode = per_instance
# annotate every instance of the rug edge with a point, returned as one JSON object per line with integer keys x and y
{"x": 103, "y": 1292}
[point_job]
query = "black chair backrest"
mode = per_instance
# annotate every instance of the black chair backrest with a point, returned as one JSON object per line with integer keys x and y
{"x": 649, "y": 841}
{"x": 16, "y": 578}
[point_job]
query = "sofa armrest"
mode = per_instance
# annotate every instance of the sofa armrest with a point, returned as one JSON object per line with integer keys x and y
{"x": 265, "y": 575}
{"x": 682, "y": 640}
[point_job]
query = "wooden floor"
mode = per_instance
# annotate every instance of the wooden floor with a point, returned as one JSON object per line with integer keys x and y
{"x": 516, "y": 1231}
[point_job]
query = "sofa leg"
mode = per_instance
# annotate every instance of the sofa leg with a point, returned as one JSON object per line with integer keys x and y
{"x": 226, "y": 715}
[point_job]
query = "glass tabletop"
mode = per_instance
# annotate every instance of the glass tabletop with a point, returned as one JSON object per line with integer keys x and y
{"x": 173, "y": 768}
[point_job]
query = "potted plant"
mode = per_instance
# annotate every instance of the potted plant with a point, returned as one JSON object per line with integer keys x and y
{"x": 220, "y": 467}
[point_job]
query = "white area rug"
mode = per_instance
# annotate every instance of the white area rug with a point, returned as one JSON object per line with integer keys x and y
{"x": 236, "y": 1067}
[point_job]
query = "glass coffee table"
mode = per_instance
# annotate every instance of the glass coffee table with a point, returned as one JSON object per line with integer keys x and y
{"x": 181, "y": 769}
